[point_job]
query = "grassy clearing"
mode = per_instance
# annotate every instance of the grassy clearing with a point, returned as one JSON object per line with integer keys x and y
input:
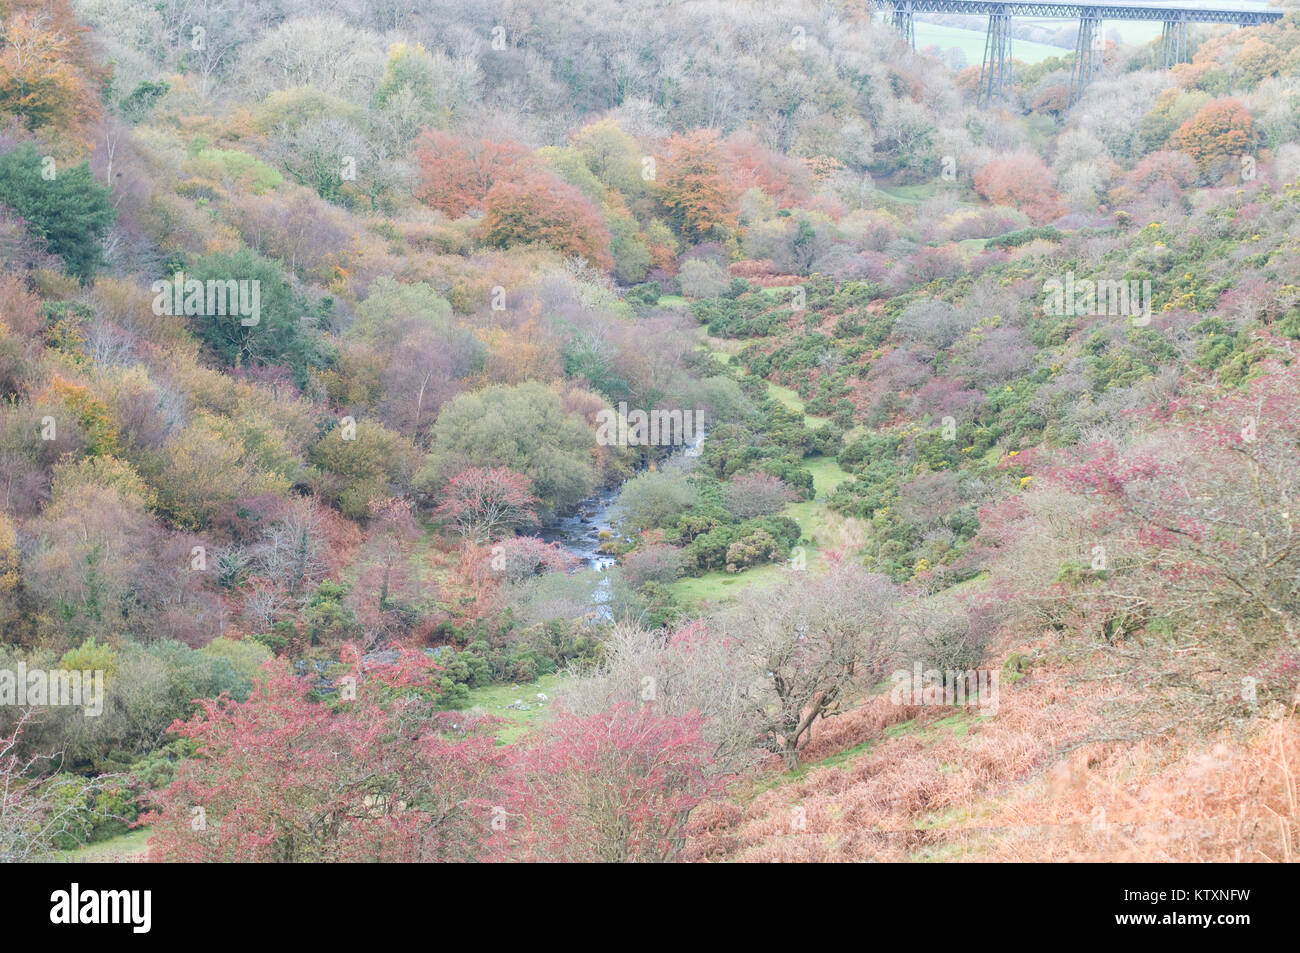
{"x": 970, "y": 247}
{"x": 821, "y": 529}
{"x": 717, "y": 587}
{"x": 907, "y": 194}
{"x": 792, "y": 400}
{"x": 494, "y": 699}
{"x": 820, "y": 526}
{"x": 128, "y": 848}
{"x": 827, "y": 474}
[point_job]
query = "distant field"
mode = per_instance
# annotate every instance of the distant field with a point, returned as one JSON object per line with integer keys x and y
{"x": 971, "y": 43}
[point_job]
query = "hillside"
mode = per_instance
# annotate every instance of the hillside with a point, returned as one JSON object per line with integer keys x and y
{"x": 683, "y": 431}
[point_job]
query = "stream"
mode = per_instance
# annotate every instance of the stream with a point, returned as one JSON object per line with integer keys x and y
{"x": 579, "y": 534}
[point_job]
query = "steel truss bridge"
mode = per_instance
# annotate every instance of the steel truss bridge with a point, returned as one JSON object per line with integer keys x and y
{"x": 995, "y": 74}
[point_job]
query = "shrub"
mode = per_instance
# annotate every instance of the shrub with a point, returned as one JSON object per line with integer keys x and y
{"x": 71, "y": 213}
{"x": 656, "y": 563}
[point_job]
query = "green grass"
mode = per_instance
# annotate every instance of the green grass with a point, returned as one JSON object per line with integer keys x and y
{"x": 837, "y": 760}
{"x": 959, "y": 723}
{"x": 792, "y": 400}
{"x": 718, "y": 586}
{"x": 493, "y": 699}
{"x": 827, "y": 474}
{"x": 971, "y": 43}
{"x": 116, "y": 850}
{"x": 812, "y": 516}
{"x": 671, "y": 301}
{"x": 814, "y": 519}
{"x": 908, "y": 194}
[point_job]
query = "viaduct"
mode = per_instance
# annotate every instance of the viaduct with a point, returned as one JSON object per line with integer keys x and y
{"x": 995, "y": 75}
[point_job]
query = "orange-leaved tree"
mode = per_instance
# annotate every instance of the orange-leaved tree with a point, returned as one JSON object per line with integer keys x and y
{"x": 46, "y": 74}
{"x": 1021, "y": 180}
{"x": 540, "y": 208}
{"x": 700, "y": 202}
{"x": 457, "y": 172}
{"x": 1221, "y": 130}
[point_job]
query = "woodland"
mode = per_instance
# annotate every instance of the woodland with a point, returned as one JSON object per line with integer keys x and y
{"x": 365, "y": 575}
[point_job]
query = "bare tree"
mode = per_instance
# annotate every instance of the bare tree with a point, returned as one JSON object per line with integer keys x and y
{"x": 35, "y": 806}
{"x": 292, "y": 553}
{"x": 815, "y": 643}
{"x": 691, "y": 669}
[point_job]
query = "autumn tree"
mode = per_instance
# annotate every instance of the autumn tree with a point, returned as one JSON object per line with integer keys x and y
{"x": 518, "y": 558}
{"x": 524, "y": 428}
{"x": 1020, "y": 180}
{"x": 614, "y": 787}
{"x": 201, "y": 468}
{"x": 612, "y": 156}
{"x": 423, "y": 356}
{"x": 385, "y": 593}
{"x": 420, "y": 89}
{"x": 93, "y": 542}
{"x": 751, "y": 165}
{"x": 11, "y": 578}
{"x": 1218, "y": 135}
{"x": 318, "y": 50}
{"x": 692, "y": 669}
{"x": 484, "y": 502}
{"x": 456, "y": 173}
{"x": 1193, "y": 515}
{"x": 361, "y": 461}
{"x": 1172, "y": 108}
{"x": 284, "y": 778}
{"x": 653, "y": 563}
{"x": 540, "y": 208}
{"x": 47, "y": 77}
{"x": 815, "y": 643}
{"x": 700, "y": 203}
{"x": 1174, "y": 169}
{"x": 756, "y": 494}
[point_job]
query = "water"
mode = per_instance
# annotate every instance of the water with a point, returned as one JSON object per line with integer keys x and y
{"x": 579, "y": 534}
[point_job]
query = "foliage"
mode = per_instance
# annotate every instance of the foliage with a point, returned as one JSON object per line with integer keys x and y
{"x": 70, "y": 212}
{"x": 284, "y": 779}
{"x": 614, "y": 787}
{"x": 523, "y": 428}
{"x": 485, "y": 502}
{"x": 541, "y": 209}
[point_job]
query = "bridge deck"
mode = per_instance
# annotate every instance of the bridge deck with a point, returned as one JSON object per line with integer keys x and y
{"x": 1074, "y": 11}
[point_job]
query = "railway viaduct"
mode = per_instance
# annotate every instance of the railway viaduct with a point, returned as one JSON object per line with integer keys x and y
{"x": 995, "y": 75}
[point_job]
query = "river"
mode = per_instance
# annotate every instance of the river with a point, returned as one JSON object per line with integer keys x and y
{"x": 579, "y": 534}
